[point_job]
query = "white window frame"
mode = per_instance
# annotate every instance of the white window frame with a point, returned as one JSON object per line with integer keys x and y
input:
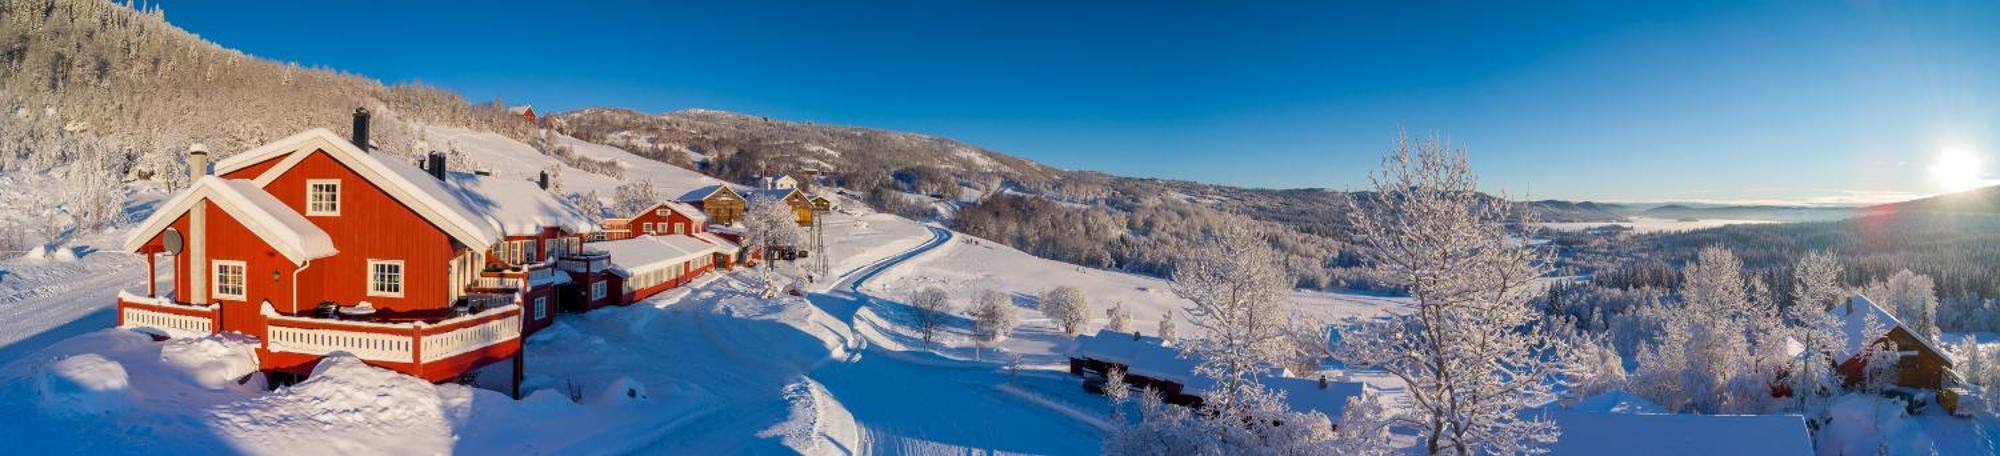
{"x": 677, "y": 227}
{"x": 311, "y": 206}
{"x": 529, "y": 252}
{"x": 542, "y": 308}
{"x": 649, "y": 228}
{"x": 402, "y": 278}
{"x": 599, "y": 289}
{"x": 242, "y": 279}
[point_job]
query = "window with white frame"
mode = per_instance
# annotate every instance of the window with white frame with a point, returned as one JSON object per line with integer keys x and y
{"x": 229, "y": 279}
{"x": 528, "y": 251}
{"x": 385, "y": 278}
{"x": 598, "y": 289}
{"x": 649, "y": 228}
{"x": 541, "y": 307}
{"x": 678, "y": 227}
{"x": 322, "y": 197}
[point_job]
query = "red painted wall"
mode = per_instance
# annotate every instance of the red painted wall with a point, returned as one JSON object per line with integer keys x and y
{"x": 267, "y": 274}
{"x": 371, "y": 225}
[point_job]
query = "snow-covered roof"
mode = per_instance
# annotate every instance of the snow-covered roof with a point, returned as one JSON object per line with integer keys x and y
{"x": 402, "y": 181}
{"x": 522, "y": 109}
{"x": 699, "y": 193}
{"x": 1302, "y": 394}
{"x": 273, "y": 149}
{"x": 286, "y": 231}
{"x": 1142, "y": 355}
{"x": 684, "y": 209}
{"x": 1618, "y": 401}
{"x": 1586, "y": 433}
{"x": 647, "y": 253}
{"x": 771, "y": 193}
{"x": 1854, "y": 321}
{"x": 518, "y": 207}
{"x": 724, "y": 245}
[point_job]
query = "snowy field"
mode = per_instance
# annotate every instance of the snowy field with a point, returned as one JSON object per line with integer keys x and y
{"x": 1642, "y": 225}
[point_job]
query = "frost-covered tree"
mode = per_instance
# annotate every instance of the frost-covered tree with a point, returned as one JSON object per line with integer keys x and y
{"x": 1972, "y": 363}
{"x": 1261, "y": 426}
{"x": 1595, "y": 368}
{"x": 1167, "y": 331}
{"x": 1364, "y": 428}
{"x": 1311, "y": 346}
{"x": 1722, "y": 331}
{"x": 1118, "y": 319}
{"x": 1471, "y": 349}
{"x": 1913, "y": 299}
{"x": 1067, "y": 306}
{"x": 932, "y": 306}
{"x": 1879, "y": 358}
{"x": 768, "y": 223}
{"x": 591, "y": 205}
{"x": 994, "y": 317}
{"x": 1816, "y": 282}
{"x": 630, "y": 198}
{"x": 1238, "y": 302}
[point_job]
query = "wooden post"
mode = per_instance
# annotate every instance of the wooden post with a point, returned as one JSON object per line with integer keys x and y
{"x": 519, "y": 363}
{"x": 152, "y": 280}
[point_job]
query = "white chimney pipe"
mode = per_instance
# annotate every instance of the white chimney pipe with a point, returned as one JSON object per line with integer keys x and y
{"x": 197, "y": 162}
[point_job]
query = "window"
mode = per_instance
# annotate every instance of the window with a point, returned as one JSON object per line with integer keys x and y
{"x": 385, "y": 278}
{"x": 541, "y": 307}
{"x": 649, "y": 228}
{"x": 322, "y": 197}
{"x": 229, "y": 279}
{"x": 678, "y": 227}
{"x": 528, "y": 251}
{"x": 598, "y": 290}
{"x": 663, "y": 212}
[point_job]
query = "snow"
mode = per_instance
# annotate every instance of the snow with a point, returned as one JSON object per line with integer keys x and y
{"x": 1865, "y": 424}
{"x": 647, "y": 253}
{"x": 86, "y": 384}
{"x": 519, "y": 207}
{"x": 285, "y": 230}
{"x": 1146, "y": 356}
{"x": 1618, "y": 401}
{"x": 1854, "y": 321}
{"x": 1586, "y": 433}
{"x": 1643, "y": 225}
{"x": 722, "y": 245}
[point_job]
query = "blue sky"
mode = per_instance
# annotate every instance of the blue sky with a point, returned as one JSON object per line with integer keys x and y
{"x": 1784, "y": 101}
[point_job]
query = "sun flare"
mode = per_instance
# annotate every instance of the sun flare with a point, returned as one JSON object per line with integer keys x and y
{"x": 1957, "y": 169}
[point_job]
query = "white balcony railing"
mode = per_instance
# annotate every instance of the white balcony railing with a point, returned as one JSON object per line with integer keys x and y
{"x": 371, "y": 346}
{"x": 462, "y": 340}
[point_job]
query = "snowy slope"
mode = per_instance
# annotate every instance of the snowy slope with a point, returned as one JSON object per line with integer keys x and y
{"x": 506, "y": 157}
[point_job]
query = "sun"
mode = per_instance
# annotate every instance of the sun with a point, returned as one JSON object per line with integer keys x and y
{"x": 1957, "y": 169}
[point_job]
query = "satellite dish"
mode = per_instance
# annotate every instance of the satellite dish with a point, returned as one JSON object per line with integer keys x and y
{"x": 171, "y": 241}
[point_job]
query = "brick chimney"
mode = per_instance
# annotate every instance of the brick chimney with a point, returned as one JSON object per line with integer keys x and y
{"x": 361, "y": 128}
{"x": 197, "y": 162}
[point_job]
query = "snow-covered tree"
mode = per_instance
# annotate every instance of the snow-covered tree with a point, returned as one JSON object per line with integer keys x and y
{"x": 1719, "y": 327}
{"x": 1471, "y": 349}
{"x": 1364, "y": 428}
{"x": 994, "y": 317}
{"x": 1912, "y": 297}
{"x": 932, "y": 306}
{"x": 1816, "y": 282}
{"x": 1067, "y": 306}
{"x": 1238, "y": 297}
{"x": 1595, "y": 367}
{"x": 1167, "y": 330}
{"x": 1118, "y": 319}
{"x": 591, "y": 205}
{"x": 1879, "y": 358}
{"x": 632, "y": 197}
{"x": 769, "y": 223}
{"x": 1972, "y": 362}
{"x": 1311, "y": 346}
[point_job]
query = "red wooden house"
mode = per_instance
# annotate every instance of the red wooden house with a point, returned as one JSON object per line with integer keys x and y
{"x": 664, "y": 218}
{"x": 314, "y": 246}
{"x": 526, "y": 112}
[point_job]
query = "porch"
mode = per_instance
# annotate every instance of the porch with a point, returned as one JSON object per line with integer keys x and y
{"x": 434, "y": 346}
